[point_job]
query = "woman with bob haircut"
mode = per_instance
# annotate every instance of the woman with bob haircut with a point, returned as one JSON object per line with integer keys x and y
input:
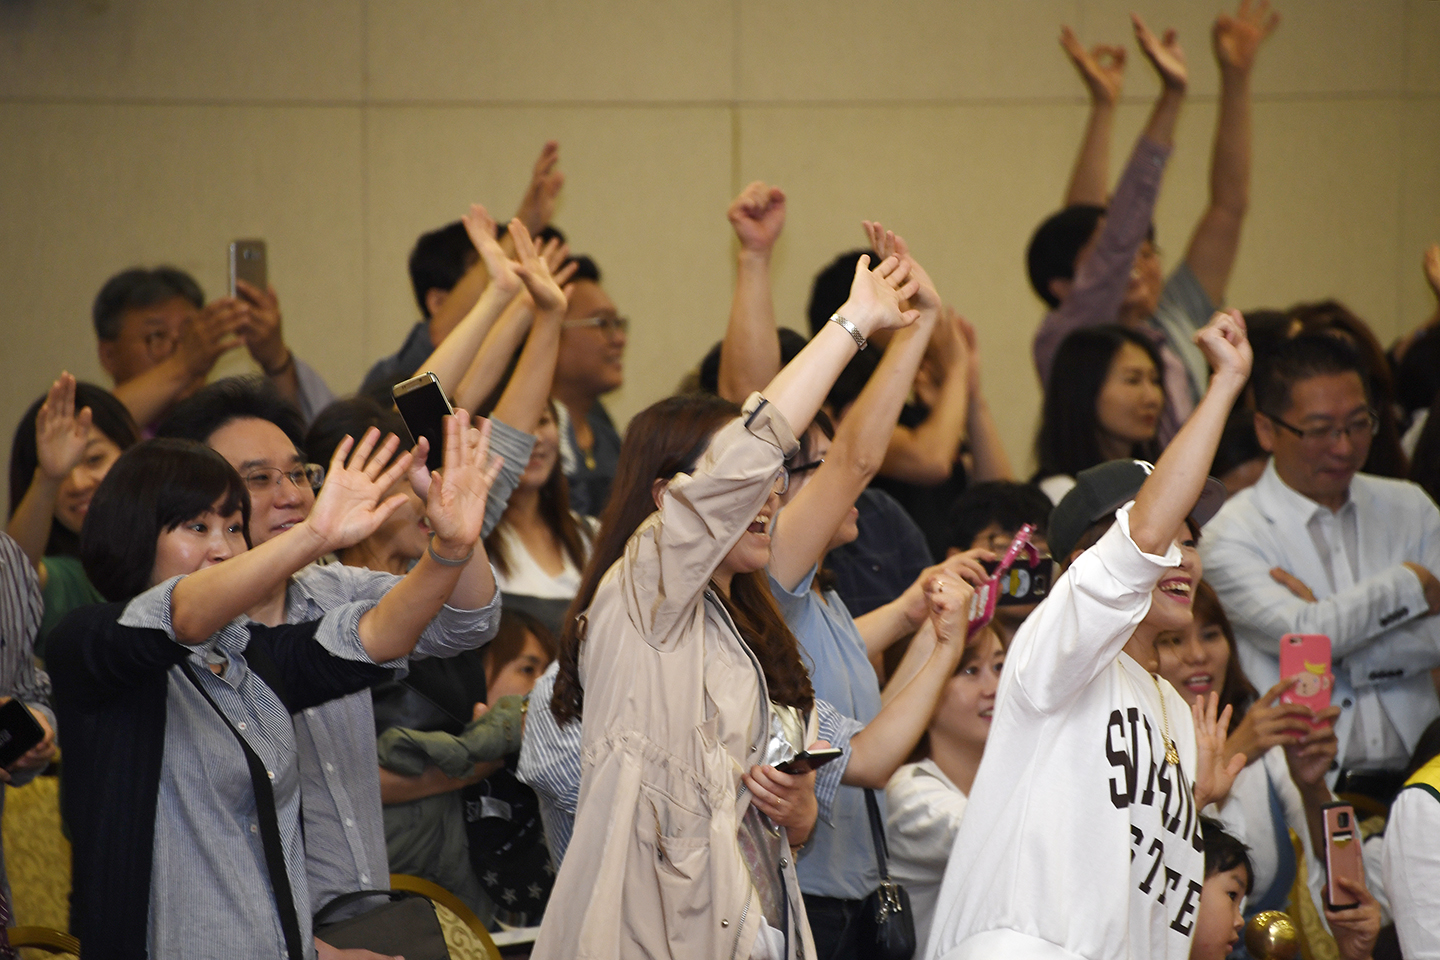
{"x": 1102, "y": 402}
{"x": 686, "y": 673}
{"x": 175, "y": 705}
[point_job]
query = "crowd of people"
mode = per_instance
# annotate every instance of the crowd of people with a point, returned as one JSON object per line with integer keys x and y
{"x": 716, "y": 683}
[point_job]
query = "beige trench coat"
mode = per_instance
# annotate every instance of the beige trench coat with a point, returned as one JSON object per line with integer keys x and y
{"x": 675, "y": 710}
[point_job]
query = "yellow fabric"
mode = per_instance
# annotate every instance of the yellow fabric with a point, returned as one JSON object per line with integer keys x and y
{"x": 37, "y": 855}
{"x": 1427, "y": 776}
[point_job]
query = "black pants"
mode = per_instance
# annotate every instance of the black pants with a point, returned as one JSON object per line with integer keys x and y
{"x": 835, "y": 927}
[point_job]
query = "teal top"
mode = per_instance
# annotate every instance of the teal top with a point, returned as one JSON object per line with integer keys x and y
{"x": 66, "y": 588}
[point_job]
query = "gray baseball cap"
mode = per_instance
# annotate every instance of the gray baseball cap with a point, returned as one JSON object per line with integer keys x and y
{"x": 1103, "y": 489}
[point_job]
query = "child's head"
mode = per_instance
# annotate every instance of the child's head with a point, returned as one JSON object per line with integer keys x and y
{"x": 1228, "y": 878}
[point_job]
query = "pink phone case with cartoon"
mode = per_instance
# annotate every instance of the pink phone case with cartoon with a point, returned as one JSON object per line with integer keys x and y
{"x": 1307, "y": 655}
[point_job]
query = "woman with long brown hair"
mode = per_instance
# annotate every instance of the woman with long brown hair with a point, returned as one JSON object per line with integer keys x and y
{"x": 686, "y": 672}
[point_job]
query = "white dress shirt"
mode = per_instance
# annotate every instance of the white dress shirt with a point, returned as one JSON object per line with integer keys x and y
{"x": 1368, "y": 603}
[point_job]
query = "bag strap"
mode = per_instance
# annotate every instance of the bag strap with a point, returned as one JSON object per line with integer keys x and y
{"x": 269, "y": 830}
{"x": 877, "y": 834}
{"x": 345, "y": 899}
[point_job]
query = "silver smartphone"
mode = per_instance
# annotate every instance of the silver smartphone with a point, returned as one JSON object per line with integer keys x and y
{"x": 247, "y": 262}
{"x": 424, "y": 407}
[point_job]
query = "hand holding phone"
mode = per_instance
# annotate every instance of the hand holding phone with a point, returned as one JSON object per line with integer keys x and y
{"x": 424, "y": 407}
{"x": 988, "y": 594}
{"x": 1307, "y": 658}
{"x": 19, "y": 731}
{"x": 807, "y": 760}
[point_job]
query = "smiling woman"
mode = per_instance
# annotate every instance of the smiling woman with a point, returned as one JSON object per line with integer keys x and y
{"x": 65, "y": 444}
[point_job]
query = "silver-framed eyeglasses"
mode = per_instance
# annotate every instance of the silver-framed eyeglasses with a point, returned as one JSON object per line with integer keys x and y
{"x": 1366, "y": 424}
{"x": 607, "y": 325}
{"x": 268, "y": 479}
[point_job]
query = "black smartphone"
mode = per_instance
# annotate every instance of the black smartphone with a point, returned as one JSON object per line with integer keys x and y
{"x": 1026, "y": 582}
{"x": 424, "y": 407}
{"x": 18, "y": 732}
{"x": 247, "y": 262}
{"x": 807, "y": 760}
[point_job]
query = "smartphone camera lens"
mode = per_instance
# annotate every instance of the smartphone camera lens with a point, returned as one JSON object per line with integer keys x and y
{"x": 1343, "y": 820}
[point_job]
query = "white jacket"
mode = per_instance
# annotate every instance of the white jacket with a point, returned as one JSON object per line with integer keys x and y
{"x": 1383, "y": 644}
{"x": 1079, "y": 839}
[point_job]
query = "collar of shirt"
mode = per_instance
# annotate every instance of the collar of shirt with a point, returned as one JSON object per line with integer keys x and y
{"x": 1282, "y": 496}
{"x": 151, "y": 610}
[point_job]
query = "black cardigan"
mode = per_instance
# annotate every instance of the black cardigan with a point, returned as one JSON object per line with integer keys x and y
{"x": 110, "y": 686}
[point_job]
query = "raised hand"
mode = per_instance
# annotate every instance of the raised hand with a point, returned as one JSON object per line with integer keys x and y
{"x": 758, "y": 216}
{"x": 60, "y": 432}
{"x": 1432, "y": 268}
{"x": 876, "y": 296}
{"x": 788, "y": 799}
{"x": 886, "y": 243}
{"x": 1269, "y": 723}
{"x": 1164, "y": 54}
{"x": 1357, "y": 928}
{"x": 261, "y": 332}
{"x": 534, "y": 272}
{"x": 481, "y": 228}
{"x": 1215, "y": 766}
{"x": 949, "y": 599}
{"x": 1102, "y": 67}
{"x": 537, "y": 206}
{"x": 1310, "y": 756}
{"x": 455, "y": 505}
{"x": 967, "y": 566}
{"x": 217, "y": 329}
{"x": 971, "y": 339}
{"x": 1237, "y": 39}
{"x": 1225, "y": 345}
{"x": 349, "y": 507}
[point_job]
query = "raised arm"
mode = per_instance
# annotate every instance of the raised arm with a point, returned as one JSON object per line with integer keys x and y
{"x": 885, "y": 743}
{"x": 873, "y": 305}
{"x": 453, "y": 356}
{"x": 60, "y": 440}
{"x": 750, "y": 352}
{"x": 1102, "y": 69}
{"x": 537, "y": 206}
{"x": 926, "y": 452}
{"x": 803, "y": 530}
{"x": 1170, "y": 492}
{"x": 524, "y": 397}
{"x": 203, "y": 340}
{"x": 989, "y": 459}
{"x": 265, "y": 339}
{"x": 1216, "y": 239}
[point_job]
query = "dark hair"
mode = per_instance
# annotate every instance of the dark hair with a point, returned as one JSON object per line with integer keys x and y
{"x": 1424, "y": 466}
{"x": 1068, "y": 440}
{"x": 1300, "y": 358}
{"x": 509, "y": 640}
{"x": 137, "y": 288}
{"x": 1223, "y": 852}
{"x": 664, "y": 439}
{"x": 109, "y": 416}
{"x": 585, "y": 268}
{"x": 791, "y": 343}
{"x": 1237, "y": 691}
{"x": 1417, "y": 375}
{"x": 1238, "y": 443}
{"x": 554, "y": 509}
{"x": 1427, "y": 748}
{"x": 831, "y": 287}
{"x": 1099, "y": 528}
{"x": 1010, "y": 504}
{"x": 351, "y": 417}
{"x": 438, "y": 261}
{"x": 154, "y": 487}
{"x": 1056, "y": 244}
{"x": 233, "y": 398}
{"x": 1387, "y": 456}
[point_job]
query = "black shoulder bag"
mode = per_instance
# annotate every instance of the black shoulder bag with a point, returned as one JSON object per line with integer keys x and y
{"x": 887, "y": 924}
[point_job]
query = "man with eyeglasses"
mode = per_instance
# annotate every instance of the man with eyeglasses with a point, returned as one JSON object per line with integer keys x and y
{"x": 261, "y": 436}
{"x": 1318, "y": 547}
{"x": 159, "y": 340}
{"x": 591, "y": 364}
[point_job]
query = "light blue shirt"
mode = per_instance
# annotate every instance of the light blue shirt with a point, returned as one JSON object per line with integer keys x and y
{"x": 839, "y": 861}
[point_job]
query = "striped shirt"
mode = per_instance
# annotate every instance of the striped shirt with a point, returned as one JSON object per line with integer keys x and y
{"x": 550, "y": 762}
{"x": 339, "y": 775}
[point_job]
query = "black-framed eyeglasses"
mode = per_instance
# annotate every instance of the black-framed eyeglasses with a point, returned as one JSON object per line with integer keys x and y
{"x": 267, "y": 479}
{"x": 805, "y": 467}
{"x": 1367, "y": 424}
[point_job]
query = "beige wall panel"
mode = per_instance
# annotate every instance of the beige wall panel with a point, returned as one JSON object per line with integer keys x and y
{"x": 90, "y": 190}
{"x": 646, "y": 191}
{"x": 181, "y": 49}
{"x": 645, "y": 50}
{"x": 965, "y": 185}
{"x": 1419, "y": 208}
{"x": 1321, "y": 46}
{"x": 1325, "y": 206}
{"x": 908, "y": 50}
{"x": 1422, "y": 46}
